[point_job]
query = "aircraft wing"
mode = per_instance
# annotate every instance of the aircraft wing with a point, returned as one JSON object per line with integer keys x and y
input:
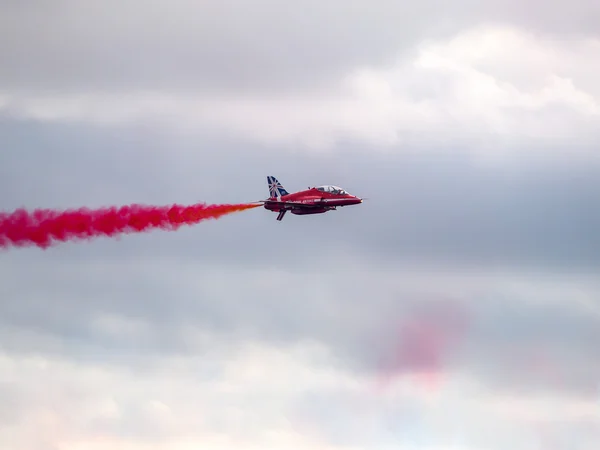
{"x": 294, "y": 204}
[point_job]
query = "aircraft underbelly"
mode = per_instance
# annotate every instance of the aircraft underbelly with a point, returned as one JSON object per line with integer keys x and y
{"x": 303, "y": 211}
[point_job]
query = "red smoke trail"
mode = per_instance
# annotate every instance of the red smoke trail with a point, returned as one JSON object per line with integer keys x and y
{"x": 41, "y": 227}
{"x": 423, "y": 339}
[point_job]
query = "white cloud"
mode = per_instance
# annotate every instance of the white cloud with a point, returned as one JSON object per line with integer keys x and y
{"x": 253, "y": 404}
{"x": 250, "y": 403}
{"x": 484, "y": 86}
{"x": 224, "y": 392}
{"x": 74, "y": 406}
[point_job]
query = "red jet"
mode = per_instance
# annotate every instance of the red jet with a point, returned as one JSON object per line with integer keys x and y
{"x": 315, "y": 200}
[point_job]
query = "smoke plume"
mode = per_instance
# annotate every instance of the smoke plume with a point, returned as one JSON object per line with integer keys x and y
{"x": 44, "y": 227}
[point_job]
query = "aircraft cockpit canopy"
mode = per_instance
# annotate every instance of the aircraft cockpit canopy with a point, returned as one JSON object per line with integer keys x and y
{"x": 332, "y": 190}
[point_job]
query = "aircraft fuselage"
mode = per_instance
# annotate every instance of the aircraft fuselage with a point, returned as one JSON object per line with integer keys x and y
{"x": 315, "y": 200}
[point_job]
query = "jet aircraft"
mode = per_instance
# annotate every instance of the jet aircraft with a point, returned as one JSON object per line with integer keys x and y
{"x": 314, "y": 200}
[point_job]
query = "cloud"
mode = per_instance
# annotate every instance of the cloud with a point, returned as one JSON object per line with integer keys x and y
{"x": 163, "y": 317}
{"x": 510, "y": 331}
{"x": 94, "y": 405}
{"x": 471, "y": 128}
{"x": 422, "y": 207}
{"x": 262, "y": 397}
{"x": 236, "y": 46}
{"x": 486, "y": 85}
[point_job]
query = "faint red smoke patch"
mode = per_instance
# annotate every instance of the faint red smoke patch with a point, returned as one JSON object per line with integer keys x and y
{"x": 551, "y": 368}
{"x": 540, "y": 362}
{"x": 420, "y": 342}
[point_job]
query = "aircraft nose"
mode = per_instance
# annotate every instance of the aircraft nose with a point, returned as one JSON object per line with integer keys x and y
{"x": 354, "y": 200}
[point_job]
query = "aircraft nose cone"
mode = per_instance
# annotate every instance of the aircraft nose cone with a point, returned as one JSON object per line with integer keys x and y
{"x": 353, "y": 200}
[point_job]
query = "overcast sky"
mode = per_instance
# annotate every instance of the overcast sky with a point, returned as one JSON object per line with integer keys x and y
{"x": 457, "y": 308}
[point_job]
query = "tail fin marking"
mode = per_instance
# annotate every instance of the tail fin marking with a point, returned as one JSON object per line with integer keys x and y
{"x": 276, "y": 190}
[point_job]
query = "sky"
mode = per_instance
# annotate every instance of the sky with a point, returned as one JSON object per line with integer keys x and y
{"x": 457, "y": 308}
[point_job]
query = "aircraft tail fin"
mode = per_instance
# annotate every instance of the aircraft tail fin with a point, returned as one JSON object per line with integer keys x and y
{"x": 275, "y": 188}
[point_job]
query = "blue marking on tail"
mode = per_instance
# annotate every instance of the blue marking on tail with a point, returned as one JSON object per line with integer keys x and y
{"x": 275, "y": 188}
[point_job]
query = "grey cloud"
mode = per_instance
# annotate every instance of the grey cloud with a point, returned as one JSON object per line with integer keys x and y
{"x": 525, "y": 215}
{"x": 346, "y": 279}
{"x": 511, "y": 343}
{"x": 444, "y": 210}
{"x": 437, "y": 206}
{"x": 234, "y": 45}
{"x": 374, "y": 325}
{"x": 536, "y": 347}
